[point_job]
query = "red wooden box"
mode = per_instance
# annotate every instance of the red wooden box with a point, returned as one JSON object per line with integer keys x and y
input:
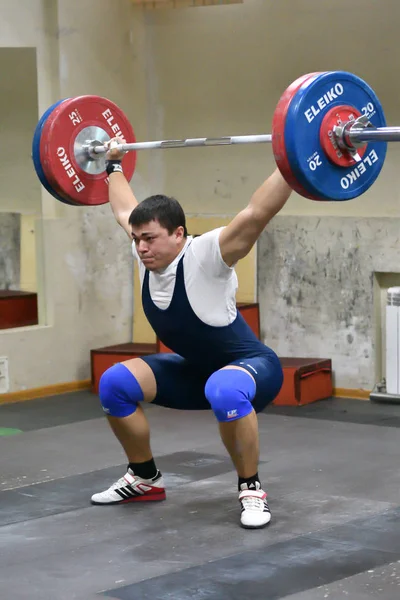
{"x": 18, "y": 309}
{"x": 305, "y": 380}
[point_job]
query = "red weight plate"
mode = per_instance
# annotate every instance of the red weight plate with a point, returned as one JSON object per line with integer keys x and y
{"x": 278, "y": 135}
{"x": 71, "y": 124}
{"x": 338, "y": 115}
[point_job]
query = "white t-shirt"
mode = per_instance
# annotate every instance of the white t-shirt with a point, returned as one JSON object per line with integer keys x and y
{"x": 210, "y": 284}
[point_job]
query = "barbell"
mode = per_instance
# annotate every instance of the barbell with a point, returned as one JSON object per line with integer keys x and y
{"x": 328, "y": 137}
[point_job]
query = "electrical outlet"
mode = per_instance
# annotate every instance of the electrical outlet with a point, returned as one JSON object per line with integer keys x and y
{"x": 4, "y": 380}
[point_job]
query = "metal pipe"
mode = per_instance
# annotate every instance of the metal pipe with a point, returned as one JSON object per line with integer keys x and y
{"x": 355, "y": 135}
{"x": 374, "y": 134}
{"x": 189, "y": 143}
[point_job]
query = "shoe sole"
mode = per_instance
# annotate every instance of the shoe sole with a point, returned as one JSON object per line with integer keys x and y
{"x": 256, "y": 526}
{"x": 153, "y": 498}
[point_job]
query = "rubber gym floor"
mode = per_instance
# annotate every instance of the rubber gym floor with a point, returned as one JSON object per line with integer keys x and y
{"x": 331, "y": 469}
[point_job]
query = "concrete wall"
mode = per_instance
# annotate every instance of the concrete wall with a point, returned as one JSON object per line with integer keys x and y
{"x": 222, "y": 69}
{"x": 83, "y": 257}
{"x": 236, "y": 63}
{"x": 20, "y": 198}
{"x": 216, "y": 70}
{"x": 10, "y": 233}
{"x": 320, "y": 282}
{"x": 20, "y": 190}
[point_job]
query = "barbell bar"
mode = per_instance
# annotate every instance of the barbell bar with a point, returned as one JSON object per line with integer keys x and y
{"x": 356, "y": 136}
{"x": 374, "y": 134}
{"x": 328, "y": 136}
{"x": 188, "y": 143}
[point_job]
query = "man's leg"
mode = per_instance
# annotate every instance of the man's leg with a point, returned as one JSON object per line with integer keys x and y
{"x": 231, "y": 392}
{"x": 230, "y": 397}
{"x": 133, "y": 433}
{"x": 133, "y": 430}
{"x": 165, "y": 379}
{"x": 122, "y": 387}
{"x": 240, "y": 438}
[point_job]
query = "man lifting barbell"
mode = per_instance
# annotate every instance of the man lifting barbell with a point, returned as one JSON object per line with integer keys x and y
{"x": 320, "y": 131}
{"x": 188, "y": 292}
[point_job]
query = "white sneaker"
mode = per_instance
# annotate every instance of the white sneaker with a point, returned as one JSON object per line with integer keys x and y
{"x": 131, "y": 488}
{"x": 255, "y": 510}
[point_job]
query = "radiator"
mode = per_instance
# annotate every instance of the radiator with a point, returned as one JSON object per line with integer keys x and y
{"x": 393, "y": 341}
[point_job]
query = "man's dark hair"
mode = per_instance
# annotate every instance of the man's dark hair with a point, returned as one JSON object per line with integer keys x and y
{"x": 167, "y": 211}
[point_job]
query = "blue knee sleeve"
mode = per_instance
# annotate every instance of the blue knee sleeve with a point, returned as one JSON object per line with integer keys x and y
{"x": 230, "y": 392}
{"x": 119, "y": 391}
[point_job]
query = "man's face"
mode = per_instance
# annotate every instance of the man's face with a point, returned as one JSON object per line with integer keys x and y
{"x": 155, "y": 246}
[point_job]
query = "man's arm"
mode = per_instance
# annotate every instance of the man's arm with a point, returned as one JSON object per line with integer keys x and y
{"x": 122, "y": 200}
{"x": 238, "y": 238}
{"x": 120, "y": 194}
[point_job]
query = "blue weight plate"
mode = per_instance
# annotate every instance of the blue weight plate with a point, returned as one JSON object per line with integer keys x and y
{"x": 36, "y": 155}
{"x": 308, "y": 161}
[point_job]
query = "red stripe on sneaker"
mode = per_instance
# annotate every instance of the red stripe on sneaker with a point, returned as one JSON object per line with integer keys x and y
{"x": 154, "y": 497}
